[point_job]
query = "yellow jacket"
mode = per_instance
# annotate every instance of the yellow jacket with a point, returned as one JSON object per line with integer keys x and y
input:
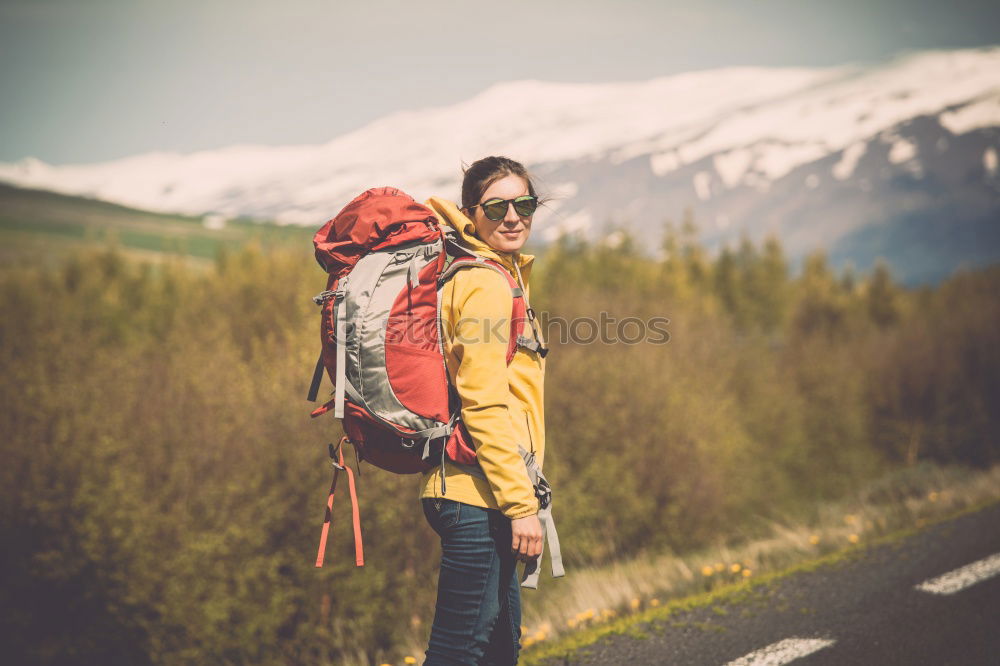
{"x": 502, "y": 406}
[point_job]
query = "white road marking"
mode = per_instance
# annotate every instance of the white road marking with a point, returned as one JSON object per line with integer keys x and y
{"x": 783, "y": 652}
{"x": 961, "y": 578}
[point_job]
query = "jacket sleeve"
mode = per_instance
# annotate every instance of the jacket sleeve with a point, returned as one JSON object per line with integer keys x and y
{"x": 481, "y": 304}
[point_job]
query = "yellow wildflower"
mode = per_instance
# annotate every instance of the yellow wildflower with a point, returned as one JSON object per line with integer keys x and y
{"x": 746, "y": 573}
{"x": 654, "y": 602}
{"x": 735, "y": 568}
{"x": 853, "y": 538}
{"x": 635, "y": 604}
{"x": 409, "y": 660}
{"x": 814, "y": 539}
{"x": 707, "y": 570}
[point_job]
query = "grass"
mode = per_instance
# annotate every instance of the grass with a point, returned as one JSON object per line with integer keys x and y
{"x": 597, "y": 602}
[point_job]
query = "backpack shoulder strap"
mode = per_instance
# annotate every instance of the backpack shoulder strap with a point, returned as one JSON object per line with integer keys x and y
{"x": 517, "y": 316}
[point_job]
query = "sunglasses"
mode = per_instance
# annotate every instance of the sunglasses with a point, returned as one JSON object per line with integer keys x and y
{"x": 496, "y": 209}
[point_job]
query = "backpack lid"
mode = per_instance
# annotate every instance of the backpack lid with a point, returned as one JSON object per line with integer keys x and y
{"x": 377, "y": 218}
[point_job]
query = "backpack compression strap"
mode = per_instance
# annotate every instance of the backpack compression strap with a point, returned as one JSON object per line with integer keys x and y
{"x": 544, "y": 493}
{"x": 316, "y": 380}
{"x": 338, "y": 465}
{"x": 318, "y": 299}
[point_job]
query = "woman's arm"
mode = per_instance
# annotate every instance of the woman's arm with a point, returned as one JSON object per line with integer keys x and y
{"x": 481, "y": 304}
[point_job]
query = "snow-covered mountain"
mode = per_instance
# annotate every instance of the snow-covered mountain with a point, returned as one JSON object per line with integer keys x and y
{"x": 898, "y": 159}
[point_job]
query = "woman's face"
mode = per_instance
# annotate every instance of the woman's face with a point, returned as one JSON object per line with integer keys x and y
{"x": 510, "y": 233}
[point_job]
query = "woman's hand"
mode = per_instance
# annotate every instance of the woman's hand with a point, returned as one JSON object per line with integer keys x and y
{"x": 527, "y": 541}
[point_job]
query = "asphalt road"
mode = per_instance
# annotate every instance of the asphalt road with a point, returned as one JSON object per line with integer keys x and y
{"x": 859, "y": 611}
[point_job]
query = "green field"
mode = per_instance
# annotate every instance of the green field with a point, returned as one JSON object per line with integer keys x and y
{"x": 38, "y": 224}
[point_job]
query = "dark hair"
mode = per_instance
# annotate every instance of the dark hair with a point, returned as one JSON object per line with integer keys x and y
{"x": 483, "y": 173}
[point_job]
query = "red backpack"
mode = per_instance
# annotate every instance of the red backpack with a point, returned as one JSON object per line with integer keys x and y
{"x": 383, "y": 341}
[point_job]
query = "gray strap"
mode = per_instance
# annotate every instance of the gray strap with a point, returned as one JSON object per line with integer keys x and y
{"x": 452, "y": 236}
{"x": 555, "y": 551}
{"x": 433, "y": 433}
{"x": 338, "y": 404}
{"x": 534, "y": 471}
{"x": 411, "y": 272}
{"x": 353, "y": 394}
{"x": 549, "y": 534}
{"x": 528, "y": 343}
{"x": 323, "y": 296}
{"x": 536, "y": 344}
{"x": 444, "y": 452}
{"x": 429, "y": 434}
{"x": 456, "y": 266}
{"x": 531, "y": 568}
{"x": 443, "y": 430}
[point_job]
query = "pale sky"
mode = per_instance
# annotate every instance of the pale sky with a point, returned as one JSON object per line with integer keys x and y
{"x": 91, "y": 80}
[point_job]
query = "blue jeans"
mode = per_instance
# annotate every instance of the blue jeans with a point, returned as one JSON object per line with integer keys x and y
{"x": 477, "y": 619}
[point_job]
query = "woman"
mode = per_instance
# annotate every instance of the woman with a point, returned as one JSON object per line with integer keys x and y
{"x": 487, "y": 522}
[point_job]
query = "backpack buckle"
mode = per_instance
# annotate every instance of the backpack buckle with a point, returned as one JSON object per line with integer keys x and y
{"x": 333, "y": 455}
{"x": 544, "y": 493}
{"x": 323, "y": 297}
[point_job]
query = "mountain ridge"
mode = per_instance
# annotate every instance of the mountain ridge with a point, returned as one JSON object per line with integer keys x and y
{"x": 741, "y": 146}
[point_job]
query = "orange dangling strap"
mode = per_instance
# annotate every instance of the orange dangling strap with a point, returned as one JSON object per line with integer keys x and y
{"x": 359, "y": 550}
{"x": 329, "y": 516}
{"x": 356, "y": 514}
